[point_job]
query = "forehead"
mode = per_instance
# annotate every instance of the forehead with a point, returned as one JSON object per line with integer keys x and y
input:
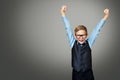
{"x": 81, "y": 32}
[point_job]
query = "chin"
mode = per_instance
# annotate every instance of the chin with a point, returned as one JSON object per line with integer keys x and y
{"x": 81, "y": 42}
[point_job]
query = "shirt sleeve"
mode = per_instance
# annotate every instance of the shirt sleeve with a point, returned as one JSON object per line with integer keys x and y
{"x": 69, "y": 31}
{"x": 95, "y": 32}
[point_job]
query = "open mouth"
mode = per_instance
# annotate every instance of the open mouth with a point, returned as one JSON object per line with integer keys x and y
{"x": 81, "y": 40}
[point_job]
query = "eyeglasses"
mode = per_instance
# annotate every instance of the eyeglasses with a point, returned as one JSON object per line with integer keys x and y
{"x": 83, "y": 35}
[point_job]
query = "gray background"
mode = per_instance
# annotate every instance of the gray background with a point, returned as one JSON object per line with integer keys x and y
{"x": 34, "y": 45}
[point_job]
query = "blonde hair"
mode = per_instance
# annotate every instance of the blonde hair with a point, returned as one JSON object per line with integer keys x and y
{"x": 80, "y": 27}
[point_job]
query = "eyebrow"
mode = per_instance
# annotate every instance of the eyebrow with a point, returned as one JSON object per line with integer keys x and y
{"x": 80, "y": 34}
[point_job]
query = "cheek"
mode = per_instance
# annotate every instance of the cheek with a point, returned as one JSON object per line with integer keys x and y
{"x": 77, "y": 37}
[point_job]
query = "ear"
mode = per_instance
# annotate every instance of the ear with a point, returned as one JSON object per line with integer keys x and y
{"x": 75, "y": 35}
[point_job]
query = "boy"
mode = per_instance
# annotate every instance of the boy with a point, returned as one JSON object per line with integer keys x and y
{"x": 81, "y": 46}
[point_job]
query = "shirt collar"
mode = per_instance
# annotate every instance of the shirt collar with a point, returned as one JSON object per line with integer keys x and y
{"x": 81, "y": 44}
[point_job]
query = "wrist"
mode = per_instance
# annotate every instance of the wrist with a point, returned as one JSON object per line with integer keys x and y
{"x": 106, "y": 16}
{"x": 63, "y": 14}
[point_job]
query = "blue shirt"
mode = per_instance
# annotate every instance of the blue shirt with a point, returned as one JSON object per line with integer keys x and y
{"x": 92, "y": 37}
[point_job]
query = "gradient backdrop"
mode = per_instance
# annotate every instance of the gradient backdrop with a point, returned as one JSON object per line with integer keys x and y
{"x": 33, "y": 42}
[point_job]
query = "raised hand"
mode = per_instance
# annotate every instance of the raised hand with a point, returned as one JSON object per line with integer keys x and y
{"x": 106, "y": 12}
{"x": 63, "y": 10}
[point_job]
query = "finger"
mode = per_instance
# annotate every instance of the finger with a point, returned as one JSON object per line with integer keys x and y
{"x": 106, "y": 11}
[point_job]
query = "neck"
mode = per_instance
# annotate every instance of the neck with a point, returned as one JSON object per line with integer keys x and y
{"x": 81, "y": 42}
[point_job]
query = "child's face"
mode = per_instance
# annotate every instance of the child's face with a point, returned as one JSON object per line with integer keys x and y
{"x": 81, "y": 36}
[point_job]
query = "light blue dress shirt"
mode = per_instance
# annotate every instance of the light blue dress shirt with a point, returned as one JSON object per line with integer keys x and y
{"x": 92, "y": 37}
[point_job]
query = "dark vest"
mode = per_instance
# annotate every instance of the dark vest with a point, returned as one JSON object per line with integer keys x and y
{"x": 81, "y": 56}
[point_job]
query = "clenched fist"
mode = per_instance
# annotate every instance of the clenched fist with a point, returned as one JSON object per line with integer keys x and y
{"x": 63, "y": 10}
{"x": 106, "y": 12}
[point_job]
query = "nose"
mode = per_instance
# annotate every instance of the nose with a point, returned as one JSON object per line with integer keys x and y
{"x": 80, "y": 37}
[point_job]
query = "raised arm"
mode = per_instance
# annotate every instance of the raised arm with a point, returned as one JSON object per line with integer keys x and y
{"x": 97, "y": 29}
{"x": 68, "y": 29}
